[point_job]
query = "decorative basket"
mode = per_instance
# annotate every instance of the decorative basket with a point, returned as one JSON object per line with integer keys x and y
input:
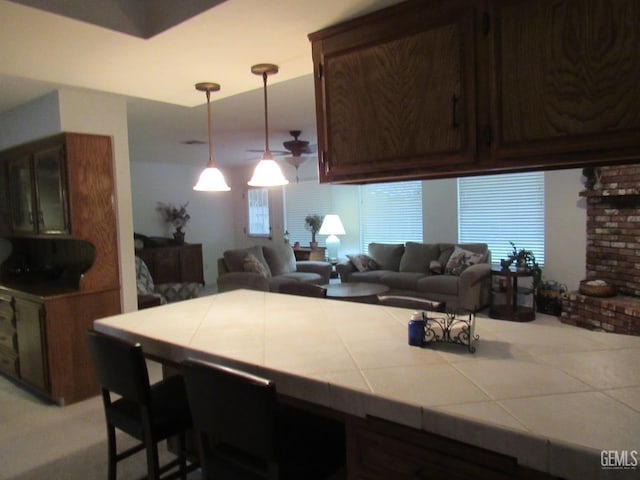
{"x": 591, "y": 289}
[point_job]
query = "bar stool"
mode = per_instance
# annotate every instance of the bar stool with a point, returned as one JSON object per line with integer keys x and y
{"x": 244, "y": 433}
{"x": 149, "y": 413}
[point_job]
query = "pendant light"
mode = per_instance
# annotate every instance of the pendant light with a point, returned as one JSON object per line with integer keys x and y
{"x": 211, "y": 179}
{"x": 267, "y": 172}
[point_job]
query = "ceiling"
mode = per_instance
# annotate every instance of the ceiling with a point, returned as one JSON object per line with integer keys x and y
{"x": 152, "y": 55}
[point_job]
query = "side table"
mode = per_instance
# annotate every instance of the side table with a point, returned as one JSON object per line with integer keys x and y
{"x": 512, "y": 295}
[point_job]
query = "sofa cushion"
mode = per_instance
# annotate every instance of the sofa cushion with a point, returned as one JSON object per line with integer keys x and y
{"x": 234, "y": 259}
{"x": 388, "y": 256}
{"x": 363, "y": 263}
{"x": 372, "y": 276}
{"x": 418, "y": 256}
{"x": 402, "y": 280}
{"x": 460, "y": 259}
{"x": 304, "y": 277}
{"x": 439, "y": 284}
{"x": 280, "y": 259}
{"x": 251, "y": 264}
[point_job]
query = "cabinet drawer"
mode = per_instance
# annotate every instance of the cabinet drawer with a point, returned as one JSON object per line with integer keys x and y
{"x": 6, "y": 309}
{"x": 8, "y": 360}
{"x": 7, "y": 319}
{"x": 9, "y": 339}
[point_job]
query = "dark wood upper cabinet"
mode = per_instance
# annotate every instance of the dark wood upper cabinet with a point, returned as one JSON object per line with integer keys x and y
{"x": 38, "y": 193}
{"x": 431, "y": 88}
{"x": 5, "y": 205}
{"x": 379, "y": 84}
{"x": 22, "y": 195}
{"x": 566, "y": 77}
{"x": 51, "y": 191}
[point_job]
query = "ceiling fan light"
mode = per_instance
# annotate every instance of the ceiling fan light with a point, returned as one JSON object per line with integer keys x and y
{"x": 211, "y": 180}
{"x": 267, "y": 174}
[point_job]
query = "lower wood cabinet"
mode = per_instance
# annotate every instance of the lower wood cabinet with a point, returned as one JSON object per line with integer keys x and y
{"x": 31, "y": 342}
{"x": 42, "y": 341}
{"x": 380, "y": 449}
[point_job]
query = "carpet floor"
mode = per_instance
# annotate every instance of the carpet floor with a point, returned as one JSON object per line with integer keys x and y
{"x": 42, "y": 441}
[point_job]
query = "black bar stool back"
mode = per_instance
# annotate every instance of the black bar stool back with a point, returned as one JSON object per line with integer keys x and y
{"x": 149, "y": 413}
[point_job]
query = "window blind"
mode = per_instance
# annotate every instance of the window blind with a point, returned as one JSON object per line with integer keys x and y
{"x": 497, "y": 209}
{"x": 390, "y": 213}
{"x": 302, "y": 199}
{"x": 258, "y": 212}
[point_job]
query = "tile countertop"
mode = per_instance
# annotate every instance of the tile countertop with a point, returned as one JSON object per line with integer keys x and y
{"x": 552, "y": 395}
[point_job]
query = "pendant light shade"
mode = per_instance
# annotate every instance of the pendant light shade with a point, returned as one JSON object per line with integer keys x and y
{"x": 267, "y": 172}
{"x": 211, "y": 179}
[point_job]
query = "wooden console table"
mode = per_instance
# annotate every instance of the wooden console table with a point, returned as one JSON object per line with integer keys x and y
{"x": 307, "y": 253}
{"x": 174, "y": 263}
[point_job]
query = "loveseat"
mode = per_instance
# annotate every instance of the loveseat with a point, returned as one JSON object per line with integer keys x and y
{"x": 266, "y": 268}
{"x": 457, "y": 274}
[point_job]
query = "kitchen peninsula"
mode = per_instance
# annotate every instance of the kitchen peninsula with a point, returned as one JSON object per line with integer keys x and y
{"x": 536, "y": 400}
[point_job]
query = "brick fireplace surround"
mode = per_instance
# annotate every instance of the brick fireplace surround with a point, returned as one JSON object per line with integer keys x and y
{"x": 613, "y": 254}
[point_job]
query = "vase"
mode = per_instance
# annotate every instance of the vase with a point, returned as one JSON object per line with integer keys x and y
{"x": 178, "y": 237}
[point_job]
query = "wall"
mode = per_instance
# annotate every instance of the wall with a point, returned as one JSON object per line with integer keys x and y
{"x": 565, "y": 228}
{"x": 211, "y": 212}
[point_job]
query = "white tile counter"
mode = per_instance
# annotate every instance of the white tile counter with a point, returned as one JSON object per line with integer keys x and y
{"x": 551, "y": 395}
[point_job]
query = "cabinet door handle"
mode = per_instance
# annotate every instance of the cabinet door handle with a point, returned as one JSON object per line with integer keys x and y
{"x": 454, "y": 108}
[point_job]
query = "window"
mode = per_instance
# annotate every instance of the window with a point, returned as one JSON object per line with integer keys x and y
{"x": 497, "y": 209}
{"x": 258, "y": 212}
{"x": 302, "y": 199}
{"x": 390, "y": 213}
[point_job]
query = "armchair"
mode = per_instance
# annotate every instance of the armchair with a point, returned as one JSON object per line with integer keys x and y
{"x": 151, "y": 294}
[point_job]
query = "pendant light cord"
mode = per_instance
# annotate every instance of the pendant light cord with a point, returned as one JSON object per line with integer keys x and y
{"x": 266, "y": 117}
{"x": 211, "y": 164}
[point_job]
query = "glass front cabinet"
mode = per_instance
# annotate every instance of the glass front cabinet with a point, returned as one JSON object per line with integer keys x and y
{"x": 37, "y": 193}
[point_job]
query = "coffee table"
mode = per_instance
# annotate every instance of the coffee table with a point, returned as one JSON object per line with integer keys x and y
{"x": 355, "y": 291}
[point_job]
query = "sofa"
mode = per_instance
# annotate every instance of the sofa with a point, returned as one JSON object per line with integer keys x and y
{"x": 265, "y": 268}
{"x": 457, "y": 274}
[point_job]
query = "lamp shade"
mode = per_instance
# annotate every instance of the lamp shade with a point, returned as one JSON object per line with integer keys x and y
{"x": 332, "y": 225}
{"x": 267, "y": 174}
{"x": 211, "y": 180}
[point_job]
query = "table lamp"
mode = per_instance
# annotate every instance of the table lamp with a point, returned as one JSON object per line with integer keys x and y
{"x": 332, "y": 226}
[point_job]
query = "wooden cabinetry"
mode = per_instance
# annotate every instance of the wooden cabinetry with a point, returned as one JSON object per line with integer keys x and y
{"x": 69, "y": 251}
{"x": 379, "y": 83}
{"x": 8, "y": 336}
{"x": 429, "y": 89}
{"x": 381, "y": 449}
{"x": 37, "y": 192}
{"x": 565, "y": 80}
{"x": 5, "y": 207}
{"x": 31, "y": 342}
{"x": 176, "y": 263}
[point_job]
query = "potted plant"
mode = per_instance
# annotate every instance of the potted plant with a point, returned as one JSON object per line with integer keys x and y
{"x": 313, "y": 223}
{"x": 176, "y": 216}
{"x": 525, "y": 261}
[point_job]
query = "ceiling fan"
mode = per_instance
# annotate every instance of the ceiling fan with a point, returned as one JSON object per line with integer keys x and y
{"x": 296, "y": 149}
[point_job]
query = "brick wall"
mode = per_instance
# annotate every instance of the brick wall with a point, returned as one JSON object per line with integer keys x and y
{"x": 613, "y": 254}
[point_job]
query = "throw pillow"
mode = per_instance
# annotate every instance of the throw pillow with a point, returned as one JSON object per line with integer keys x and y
{"x": 250, "y": 263}
{"x": 435, "y": 267}
{"x": 363, "y": 263}
{"x": 460, "y": 259}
